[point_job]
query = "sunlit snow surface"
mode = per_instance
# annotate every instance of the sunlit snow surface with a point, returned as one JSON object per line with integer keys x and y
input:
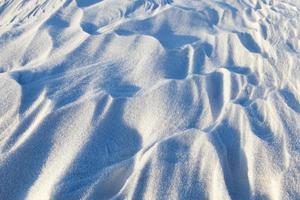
{"x": 149, "y": 99}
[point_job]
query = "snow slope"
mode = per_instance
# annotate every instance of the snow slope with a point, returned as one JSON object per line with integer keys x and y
{"x": 149, "y": 99}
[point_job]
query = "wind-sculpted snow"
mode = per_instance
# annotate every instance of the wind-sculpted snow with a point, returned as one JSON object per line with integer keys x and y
{"x": 149, "y": 99}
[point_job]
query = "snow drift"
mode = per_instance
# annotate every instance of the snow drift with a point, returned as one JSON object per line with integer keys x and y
{"x": 149, "y": 99}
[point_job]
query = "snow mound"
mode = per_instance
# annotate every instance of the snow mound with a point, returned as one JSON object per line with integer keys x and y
{"x": 149, "y": 99}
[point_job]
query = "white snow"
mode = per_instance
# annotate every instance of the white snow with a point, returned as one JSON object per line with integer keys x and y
{"x": 149, "y": 99}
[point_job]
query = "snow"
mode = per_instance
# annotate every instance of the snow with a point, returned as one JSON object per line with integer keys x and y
{"x": 149, "y": 99}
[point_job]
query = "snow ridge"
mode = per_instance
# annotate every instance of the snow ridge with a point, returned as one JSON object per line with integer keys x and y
{"x": 149, "y": 99}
